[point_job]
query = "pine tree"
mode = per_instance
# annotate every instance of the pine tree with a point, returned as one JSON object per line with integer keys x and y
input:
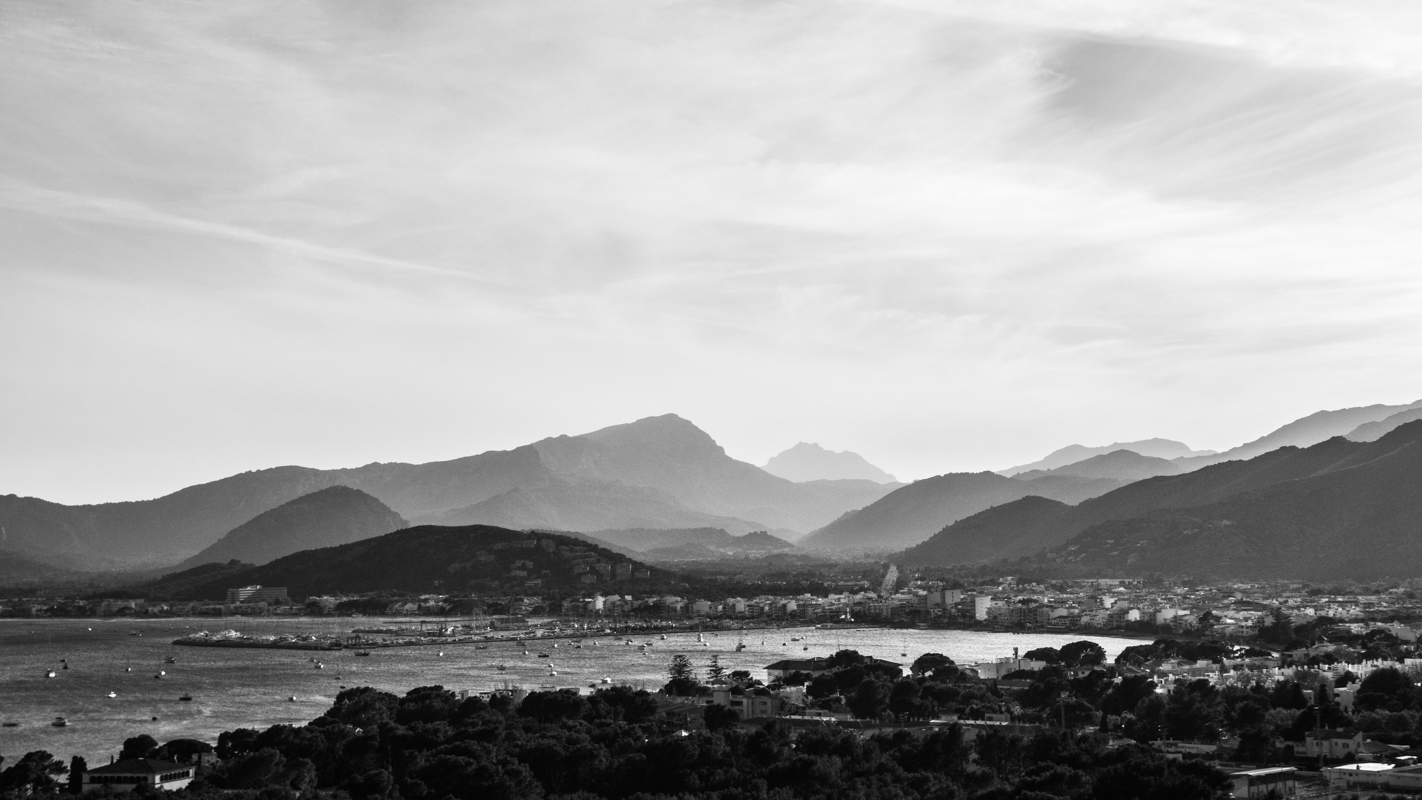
{"x": 715, "y": 673}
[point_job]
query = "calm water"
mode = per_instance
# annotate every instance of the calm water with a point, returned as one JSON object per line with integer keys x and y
{"x": 249, "y": 688}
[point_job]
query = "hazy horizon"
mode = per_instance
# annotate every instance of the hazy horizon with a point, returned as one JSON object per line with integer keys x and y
{"x": 945, "y": 236}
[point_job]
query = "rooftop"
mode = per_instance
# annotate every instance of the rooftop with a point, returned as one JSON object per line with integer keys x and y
{"x": 138, "y": 766}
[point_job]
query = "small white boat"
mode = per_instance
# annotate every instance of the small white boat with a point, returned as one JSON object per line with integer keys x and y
{"x": 291, "y": 699}
{"x": 113, "y": 694}
{"x": 49, "y": 674}
{"x": 319, "y": 665}
{"x": 607, "y": 679}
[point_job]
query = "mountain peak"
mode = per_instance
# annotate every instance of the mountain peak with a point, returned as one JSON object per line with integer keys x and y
{"x": 807, "y": 461}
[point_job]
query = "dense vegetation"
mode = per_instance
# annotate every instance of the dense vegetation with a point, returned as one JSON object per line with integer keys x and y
{"x": 430, "y": 745}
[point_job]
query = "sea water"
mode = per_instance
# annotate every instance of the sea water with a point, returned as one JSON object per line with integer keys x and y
{"x": 252, "y": 688}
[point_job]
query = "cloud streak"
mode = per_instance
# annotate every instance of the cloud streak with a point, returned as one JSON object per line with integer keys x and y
{"x": 900, "y": 228}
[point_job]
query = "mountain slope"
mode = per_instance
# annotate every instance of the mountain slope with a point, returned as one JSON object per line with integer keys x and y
{"x": 1037, "y": 528}
{"x": 583, "y": 505}
{"x": 673, "y": 455}
{"x": 423, "y": 559}
{"x": 915, "y": 512}
{"x": 1359, "y": 519}
{"x": 810, "y": 462}
{"x": 1304, "y": 432}
{"x": 327, "y": 517}
{"x": 715, "y": 540}
{"x": 1121, "y": 465}
{"x": 1372, "y": 431}
{"x": 1071, "y": 454}
{"x": 1010, "y": 530}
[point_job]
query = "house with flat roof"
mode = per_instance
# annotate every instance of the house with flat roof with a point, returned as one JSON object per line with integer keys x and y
{"x": 130, "y": 773}
{"x": 1266, "y": 782}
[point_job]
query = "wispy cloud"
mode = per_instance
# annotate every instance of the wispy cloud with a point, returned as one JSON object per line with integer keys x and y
{"x": 776, "y": 219}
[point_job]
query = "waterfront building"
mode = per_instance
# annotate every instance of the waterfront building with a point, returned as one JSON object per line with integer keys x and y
{"x": 131, "y": 773}
{"x": 258, "y": 594}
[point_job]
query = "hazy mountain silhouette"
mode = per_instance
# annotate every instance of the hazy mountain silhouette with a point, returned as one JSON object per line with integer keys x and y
{"x": 913, "y": 513}
{"x": 810, "y": 462}
{"x": 1122, "y": 465}
{"x": 1304, "y": 432}
{"x": 1372, "y": 431}
{"x": 420, "y": 559}
{"x": 1359, "y": 517}
{"x": 584, "y": 505}
{"x": 673, "y": 455}
{"x": 1071, "y": 454}
{"x": 1024, "y": 527}
{"x": 326, "y": 517}
{"x": 655, "y": 472}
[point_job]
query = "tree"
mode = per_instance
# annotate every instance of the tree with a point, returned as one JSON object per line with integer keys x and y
{"x": 1049, "y": 655}
{"x": 34, "y": 773}
{"x": 683, "y": 677}
{"x": 904, "y": 699}
{"x": 77, "y": 767}
{"x": 138, "y": 746}
{"x": 928, "y": 662}
{"x": 1083, "y": 654}
{"x": 719, "y": 717}
{"x": 715, "y": 673}
{"x": 869, "y": 700}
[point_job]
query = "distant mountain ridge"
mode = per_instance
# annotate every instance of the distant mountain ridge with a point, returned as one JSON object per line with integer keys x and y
{"x": 810, "y": 462}
{"x": 1121, "y": 465}
{"x": 913, "y": 513}
{"x": 1306, "y": 431}
{"x": 1074, "y": 453}
{"x": 1357, "y": 518}
{"x": 1372, "y": 431}
{"x": 326, "y": 517}
{"x": 1272, "y": 515}
{"x": 655, "y": 472}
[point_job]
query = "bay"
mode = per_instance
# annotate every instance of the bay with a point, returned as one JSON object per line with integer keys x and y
{"x": 250, "y": 688}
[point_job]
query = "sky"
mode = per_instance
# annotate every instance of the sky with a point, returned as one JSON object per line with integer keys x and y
{"x": 949, "y": 236}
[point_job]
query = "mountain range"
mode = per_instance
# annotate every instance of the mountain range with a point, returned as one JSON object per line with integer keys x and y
{"x": 810, "y": 462}
{"x": 912, "y": 513}
{"x": 1336, "y": 509}
{"x": 658, "y": 472}
{"x": 1074, "y": 453}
